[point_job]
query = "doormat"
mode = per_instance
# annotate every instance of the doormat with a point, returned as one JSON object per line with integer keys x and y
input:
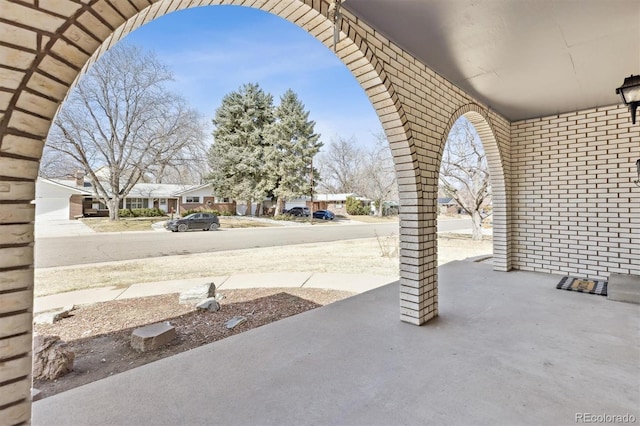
{"x": 583, "y": 285}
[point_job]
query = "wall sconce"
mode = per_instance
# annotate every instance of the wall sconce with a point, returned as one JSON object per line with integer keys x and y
{"x": 637, "y": 181}
{"x": 630, "y": 94}
{"x": 336, "y": 16}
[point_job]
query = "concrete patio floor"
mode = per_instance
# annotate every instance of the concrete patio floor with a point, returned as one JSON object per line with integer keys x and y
{"x": 507, "y": 349}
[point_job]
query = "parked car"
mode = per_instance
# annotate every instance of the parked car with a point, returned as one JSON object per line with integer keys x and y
{"x": 204, "y": 221}
{"x": 324, "y": 214}
{"x": 299, "y": 211}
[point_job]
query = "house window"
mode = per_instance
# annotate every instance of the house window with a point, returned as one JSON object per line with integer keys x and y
{"x": 192, "y": 199}
{"x": 223, "y": 200}
{"x": 163, "y": 201}
{"x": 98, "y": 205}
{"x": 339, "y": 205}
{"x": 136, "y": 203}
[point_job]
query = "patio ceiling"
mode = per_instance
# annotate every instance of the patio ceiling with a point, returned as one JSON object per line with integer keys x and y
{"x": 523, "y": 58}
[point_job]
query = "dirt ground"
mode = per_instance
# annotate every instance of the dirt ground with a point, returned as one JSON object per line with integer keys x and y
{"x": 100, "y": 334}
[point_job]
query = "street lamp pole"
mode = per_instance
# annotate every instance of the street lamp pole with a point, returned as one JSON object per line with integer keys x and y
{"x": 311, "y": 207}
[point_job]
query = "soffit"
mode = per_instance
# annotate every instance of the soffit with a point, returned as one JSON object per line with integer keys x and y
{"x": 523, "y": 58}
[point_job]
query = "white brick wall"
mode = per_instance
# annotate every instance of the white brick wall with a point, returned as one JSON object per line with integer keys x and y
{"x": 575, "y": 208}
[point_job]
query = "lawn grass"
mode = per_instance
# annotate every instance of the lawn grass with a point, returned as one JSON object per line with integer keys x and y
{"x": 103, "y": 224}
{"x": 236, "y": 222}
{"x": 373, "y": 219}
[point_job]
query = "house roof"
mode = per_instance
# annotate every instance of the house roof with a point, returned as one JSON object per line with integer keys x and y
{"x": 446, "y": 201}
{"x": 522, "y": 58}
{"x": 156, "y": 190}
{"x": 337, "y": 197}
{"x": 140, "y": 190}
{"x": 69, "y": 184}
{"x": 189, "y": 189}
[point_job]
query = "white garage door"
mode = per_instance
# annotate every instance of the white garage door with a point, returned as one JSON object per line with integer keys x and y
{"x": 52, "y": 208}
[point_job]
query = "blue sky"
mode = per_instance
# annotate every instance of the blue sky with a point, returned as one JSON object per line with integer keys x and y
{"x": 213, "y": 50}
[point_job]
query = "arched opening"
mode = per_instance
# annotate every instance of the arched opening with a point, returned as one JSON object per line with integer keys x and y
{"x": 43, "y": 76}
{"x": 480, "y": 119}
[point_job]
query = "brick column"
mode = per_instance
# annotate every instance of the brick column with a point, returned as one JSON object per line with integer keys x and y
{"x": 16, "y": 297}
{"x": 418, "y": 257}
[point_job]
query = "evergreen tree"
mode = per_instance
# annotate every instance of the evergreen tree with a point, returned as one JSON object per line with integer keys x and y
{"x": 237, "y": 156}
{"x": 292, "y": 146}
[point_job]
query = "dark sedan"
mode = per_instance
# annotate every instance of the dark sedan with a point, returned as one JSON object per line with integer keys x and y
{"x": 204, "y": 221}
{"x": 324, "y": 214}
{"x": 298, "y": 211}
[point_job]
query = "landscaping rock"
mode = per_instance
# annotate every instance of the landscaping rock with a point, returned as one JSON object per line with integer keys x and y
{"x": 210, "y": 304}
{"x": 195, "y": 295}
{"x": 51, "y": 358}
{"x": 235, "y": 321}
{"x": 54, "y": 316}
{"x": 152, "y": 336}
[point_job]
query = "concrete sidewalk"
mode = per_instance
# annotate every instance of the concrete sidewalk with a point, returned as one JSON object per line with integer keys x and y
{"x": 356, "y": 283}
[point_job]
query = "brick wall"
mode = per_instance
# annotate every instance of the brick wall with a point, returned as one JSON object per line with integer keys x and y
{"x": 75, "y": 206}
{"x": 575, "y": 208}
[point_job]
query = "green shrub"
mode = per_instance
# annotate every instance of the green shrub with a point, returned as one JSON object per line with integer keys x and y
{"x": 355, "y": 207}
{"x": 216, "y": 212}
{"x": 284, "y": 216}
{"x": 141, "y": 213}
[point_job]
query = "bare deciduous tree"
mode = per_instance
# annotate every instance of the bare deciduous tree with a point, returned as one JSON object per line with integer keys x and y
{"x": 464, "y": 173}
{"x": 368, "y": 171}
{"x": 56, "y": 164}
{"x": 380, "y": 183}
{"x": 121, "y": 117}
{"x": 190, "y": 168}
{"x": 341, "y": 167}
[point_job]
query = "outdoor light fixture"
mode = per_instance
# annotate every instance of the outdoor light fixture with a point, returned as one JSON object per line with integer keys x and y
{"x": 336, "y": 17}
{"x": 630, "y": 94}
{"x": 637, "y": 181}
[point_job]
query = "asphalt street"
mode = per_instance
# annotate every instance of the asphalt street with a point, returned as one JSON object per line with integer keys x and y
{"x": 107, "y": 247}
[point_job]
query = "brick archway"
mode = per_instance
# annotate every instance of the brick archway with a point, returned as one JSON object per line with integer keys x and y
{"x": 490, "y": 136}
{"x": 49, "y": 47}
{"x": 46, "y": 45}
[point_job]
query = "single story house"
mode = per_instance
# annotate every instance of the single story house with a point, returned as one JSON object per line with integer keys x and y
{"x": 60, "y": 199}
{"x": 201, "y": 197}
{"x": 337, "y": 203}
{"x": 447, "y": 205}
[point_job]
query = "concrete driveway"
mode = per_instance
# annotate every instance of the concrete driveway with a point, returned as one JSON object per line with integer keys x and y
{"x": 60, "y": 228}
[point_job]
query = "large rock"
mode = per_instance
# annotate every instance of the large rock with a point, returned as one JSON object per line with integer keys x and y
{"x": 197, "y": 294}
{"x": 152, "y": 336}
{"x": 53, "y": 316}
{"x": 51, "y": 358}
{"x": 235, "y": 321}
{"x": 210, "y": 304}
